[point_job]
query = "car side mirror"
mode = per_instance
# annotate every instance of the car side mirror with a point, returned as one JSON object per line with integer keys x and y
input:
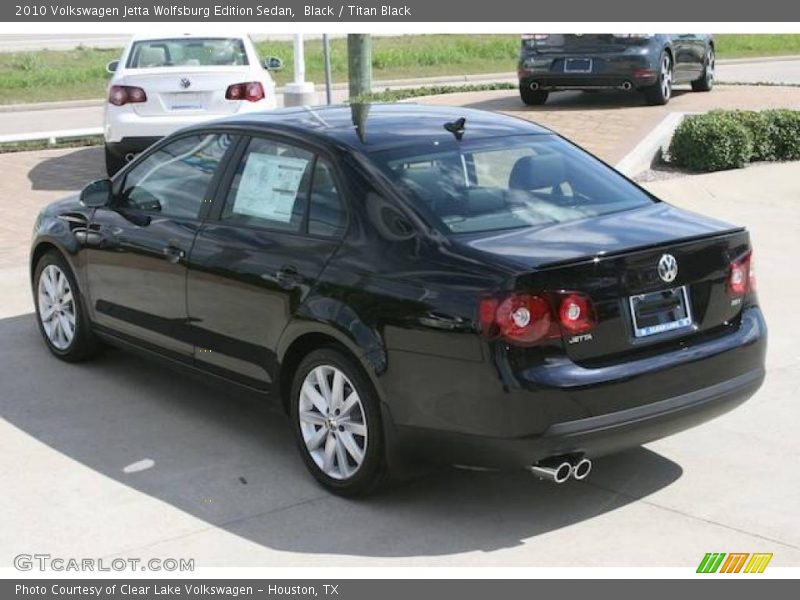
{"x": 112, "y": 66}
{"x": 97, "y": 194}
{"x": 273, "y": 63}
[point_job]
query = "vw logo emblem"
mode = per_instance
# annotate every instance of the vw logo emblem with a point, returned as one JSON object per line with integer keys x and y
{"x": 185, "y": 83}
{"x": 668, "y": 268}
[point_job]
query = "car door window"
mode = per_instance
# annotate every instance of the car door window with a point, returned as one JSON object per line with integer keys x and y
{"x": 173, "y": 180}
{"x": 270, "y": 187}
{"x": 326, "y": 214}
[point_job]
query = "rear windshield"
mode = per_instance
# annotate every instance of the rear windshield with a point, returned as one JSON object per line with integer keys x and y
{"x": 507, "y": 183}
{"x": 187, "y": 52}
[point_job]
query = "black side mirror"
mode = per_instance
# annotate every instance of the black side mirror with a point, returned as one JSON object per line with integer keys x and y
{"x": 273, "y": 63}
{"x": 112, "y": 66}
{"x": 97, "y": 194}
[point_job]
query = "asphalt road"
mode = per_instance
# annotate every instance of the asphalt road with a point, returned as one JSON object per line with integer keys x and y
{"x": 222, "y": 482}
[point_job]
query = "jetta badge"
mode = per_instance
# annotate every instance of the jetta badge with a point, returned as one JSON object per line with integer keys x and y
{"x": 185, "y": 83}
{"x": 668, "y": 268}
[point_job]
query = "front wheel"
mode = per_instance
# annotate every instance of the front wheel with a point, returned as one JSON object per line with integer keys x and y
{"x": 706, "y": 82}
{"x": 337, "y": 423}
{"x": 59, "y": 310}
{"x": 661, "y": 91}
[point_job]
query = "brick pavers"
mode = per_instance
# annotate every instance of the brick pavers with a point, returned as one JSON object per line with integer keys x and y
{"x": 610, "y": 124}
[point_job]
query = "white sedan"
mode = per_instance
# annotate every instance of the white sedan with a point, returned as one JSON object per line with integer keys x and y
{"x": 160, "y": 85}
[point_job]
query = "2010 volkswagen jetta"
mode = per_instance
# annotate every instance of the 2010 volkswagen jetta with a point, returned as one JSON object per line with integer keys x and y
{"x": 413, "y": 283}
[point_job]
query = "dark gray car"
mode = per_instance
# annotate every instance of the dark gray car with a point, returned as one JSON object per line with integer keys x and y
{"x": 648, "y": 63}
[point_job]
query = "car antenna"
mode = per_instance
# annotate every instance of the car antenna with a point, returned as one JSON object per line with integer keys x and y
{"x": 456, "y": 127}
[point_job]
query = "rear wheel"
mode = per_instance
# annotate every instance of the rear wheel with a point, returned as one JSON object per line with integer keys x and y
{"x": 59, "y": 310}
{"x": 113, "y": 162}
{"x": 706, "y": 82}
{"x": 337, "y": 423}
{"x": 532, "y": 97}
{"x": 661, "y": 91}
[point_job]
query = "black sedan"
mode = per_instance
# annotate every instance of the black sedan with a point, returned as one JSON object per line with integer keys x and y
{"x": 648, "y": 63}
{"x": 411, "y": 283}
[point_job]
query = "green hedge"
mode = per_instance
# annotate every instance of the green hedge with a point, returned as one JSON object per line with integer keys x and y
{"x": 729, "y": 139}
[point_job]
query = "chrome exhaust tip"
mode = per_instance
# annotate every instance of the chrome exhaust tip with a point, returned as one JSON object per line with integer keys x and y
{"x": 129, "y": 156}
{"x": 581, "y": 469}
{"x": 557, "y": 472}
{"x": 534, "y": 86}
{"x": 627, "y": 87}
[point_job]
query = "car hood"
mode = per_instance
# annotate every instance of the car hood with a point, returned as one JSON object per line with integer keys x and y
{"x": 606, "y": 235}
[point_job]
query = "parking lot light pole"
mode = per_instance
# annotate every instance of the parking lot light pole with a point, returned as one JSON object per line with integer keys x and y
{"x": 300, "y": 92}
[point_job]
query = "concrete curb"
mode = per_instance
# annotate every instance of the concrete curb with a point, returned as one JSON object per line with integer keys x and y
{"x": 650, "y": 148}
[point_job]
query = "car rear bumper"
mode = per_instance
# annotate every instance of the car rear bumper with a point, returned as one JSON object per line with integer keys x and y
{"x": 565, "y": 409}
{"x": 617, "y": 71}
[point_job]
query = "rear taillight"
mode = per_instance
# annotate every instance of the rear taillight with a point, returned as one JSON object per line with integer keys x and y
{"x": 119, "y": 95}
{"x": 575, "y": 313}
{"x": 528, "y": 319}
{"x": 741, "y": 276}
{"x": 250, "y": 91}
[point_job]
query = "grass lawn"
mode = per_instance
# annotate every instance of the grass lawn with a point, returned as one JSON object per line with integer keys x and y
{"x": 76, "y": 74}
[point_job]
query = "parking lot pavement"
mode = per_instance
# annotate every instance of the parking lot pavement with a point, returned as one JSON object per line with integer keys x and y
{"x": 610, "y": 124}
{"x": 227, "y": 487}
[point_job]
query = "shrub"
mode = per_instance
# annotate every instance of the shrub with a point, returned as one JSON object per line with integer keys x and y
{"x": 785, "y": 128}
{"x": 711, "y": 142}
{"x": 762, "y": 132}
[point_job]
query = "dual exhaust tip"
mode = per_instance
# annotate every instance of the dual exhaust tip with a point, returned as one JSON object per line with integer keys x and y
{"x": 560, "y": 470}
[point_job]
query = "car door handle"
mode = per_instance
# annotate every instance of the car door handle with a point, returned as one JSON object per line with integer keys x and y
{"x": 173, "y": 254}
{"x": 287, "y": 277}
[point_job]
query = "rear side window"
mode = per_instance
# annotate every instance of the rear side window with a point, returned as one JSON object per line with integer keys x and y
{"x": 326, "y": 214}
{"x": 270, "y": 187}
{"x": 187, "y": 52}
{"x": 173, "y": 180}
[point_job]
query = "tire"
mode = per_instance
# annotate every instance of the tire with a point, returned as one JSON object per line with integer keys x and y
{"x": 706, "y": 82}
{"x": 344, "y": 451}
{"x": 661, "y": 91}
{"x": 60, "y": 313}
{"x": 532, "y": 97}
{"x": 113, "y": 162}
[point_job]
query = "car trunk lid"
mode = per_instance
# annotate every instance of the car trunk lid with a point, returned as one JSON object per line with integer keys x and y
{"x": 614, "y": 260}
{"x": 174, "y": 91}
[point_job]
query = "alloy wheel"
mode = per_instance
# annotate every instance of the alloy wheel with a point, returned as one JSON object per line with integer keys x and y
{"x": 333, "y": 422}
{"x": 666, "y": 76}
{"x": 56, "y": 307}
{"x": 710, "y": 63}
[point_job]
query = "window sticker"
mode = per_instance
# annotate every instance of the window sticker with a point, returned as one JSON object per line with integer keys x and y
{"x": 268, "y": 186}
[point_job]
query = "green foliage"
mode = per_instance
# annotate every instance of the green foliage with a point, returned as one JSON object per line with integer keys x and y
{"x": 729, "y": 139}
{"x": 711, "y": 142}
{"x": 389, "y": 95}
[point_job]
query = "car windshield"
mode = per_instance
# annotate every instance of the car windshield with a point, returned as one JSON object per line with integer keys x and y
{"x": 506, "y": 183}
{"x": 187, "y": 52}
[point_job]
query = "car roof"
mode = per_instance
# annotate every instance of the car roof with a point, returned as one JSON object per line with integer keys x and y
{"x": 374, "y": 127}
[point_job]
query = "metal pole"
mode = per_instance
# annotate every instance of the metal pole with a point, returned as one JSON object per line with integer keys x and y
{"x": 299, "y": 59}
{"x": 359, "y": 64}
{"x": 326, "y": 55}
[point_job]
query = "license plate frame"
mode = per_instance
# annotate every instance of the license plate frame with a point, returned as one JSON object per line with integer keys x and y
{"x": 578, "y": 65}
{"x": 684, "y": 311}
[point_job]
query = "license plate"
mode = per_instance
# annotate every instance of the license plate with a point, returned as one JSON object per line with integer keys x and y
{"x": 186, "y": 102}
{"x": 578, "y": 65}
{"x": 659, "y": 312}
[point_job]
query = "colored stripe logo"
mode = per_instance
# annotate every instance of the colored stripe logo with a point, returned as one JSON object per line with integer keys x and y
{"x": 734, "y": 562}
